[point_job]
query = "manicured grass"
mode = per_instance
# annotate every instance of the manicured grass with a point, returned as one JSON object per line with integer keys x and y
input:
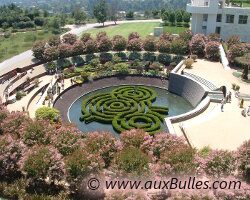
{"x": 247, "y": 5}
{"x": 20, "y": 42}
{"x": 142, "y": 28}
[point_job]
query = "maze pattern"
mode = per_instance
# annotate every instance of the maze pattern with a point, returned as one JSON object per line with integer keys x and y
{"x": 126, "y": 108}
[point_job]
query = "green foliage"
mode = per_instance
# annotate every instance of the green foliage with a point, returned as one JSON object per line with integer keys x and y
{"x": 47, "y": 113}
{"x": 130, "y": 14}
{"x": 100, "y": 11}
{"x": 122, "y": 68}
{"x": 189, "y": 62}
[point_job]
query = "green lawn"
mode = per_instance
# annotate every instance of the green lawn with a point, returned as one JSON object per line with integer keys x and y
{"x": 142, "y": 28}
{"x": 20, "y": 42}
{"x": 246, "y": 5}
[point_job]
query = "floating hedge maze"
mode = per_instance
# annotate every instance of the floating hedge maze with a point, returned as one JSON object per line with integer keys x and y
{"x": 126, "y": 107}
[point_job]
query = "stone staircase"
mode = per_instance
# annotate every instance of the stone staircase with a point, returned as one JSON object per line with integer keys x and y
{"x": 203, "y": 81}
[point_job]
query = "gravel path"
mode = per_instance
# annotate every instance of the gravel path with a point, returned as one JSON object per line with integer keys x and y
{"x": 66, "y": 99}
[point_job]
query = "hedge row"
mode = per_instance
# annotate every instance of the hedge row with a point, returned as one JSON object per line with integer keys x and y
{"x": 124, "y": 107}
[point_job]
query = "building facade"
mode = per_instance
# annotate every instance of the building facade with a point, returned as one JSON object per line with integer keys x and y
{"x": 216, "y": 16}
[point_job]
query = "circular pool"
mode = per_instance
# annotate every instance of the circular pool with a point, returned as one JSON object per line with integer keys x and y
{"x": 163, "y": 99}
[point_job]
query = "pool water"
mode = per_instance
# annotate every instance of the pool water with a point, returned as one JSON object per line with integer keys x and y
{"x": 176, "y": 104}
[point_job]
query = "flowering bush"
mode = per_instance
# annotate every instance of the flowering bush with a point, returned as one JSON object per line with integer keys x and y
{"x": 38, "y": 50}
{"x": 215, "y": 37}
{"x": 78, "y": 48}
{"x": 135, "y": 44}
{"x": 236, "y": 50}
{"x": 91, "y": 46}
{"x": 85, "y": 37}
{"x": 119, "y": 43}
{"x": 232, "y": 40}
{"x": 101, "y": 143}
{"x": 166, "y": 36}
{"x": 54, "y": 41}
{"x": 10, "y": 154}
{"x": 100, "y": 35}
{"x": 51, "y": 53}
{"x": 197, "y": 45}
{"x": 179, "y": 46}
{"x": 243, "y": 153}
{"x": 212, "y": 50}
{"x": 164, "y": 46}
{"x": 150, "y": 43}
{"x": 69, "y": 38}
{"x": 186, "y": 35}
{"x": 104, "y": 44}
{"x": 40, "y": 163}
{"x": 133, "y": 35}
{"x": 220, "y": 163}
{"x": 65, "y": 50}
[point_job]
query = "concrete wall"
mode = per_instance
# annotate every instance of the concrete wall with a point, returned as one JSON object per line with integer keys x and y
{"x": 187, "y": 88}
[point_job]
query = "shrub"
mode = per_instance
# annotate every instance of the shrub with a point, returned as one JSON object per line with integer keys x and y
{"x": 194, "y": 57}
{"x": 132, "y": 160}
{"x": 47, "y": 113}
{"x": 236, "y": 50}
{"x": 166, "y": 36}
{"x": 122, "y": 68}
{"x": 220, "y": 163}
{"x": 119, "y": 43}
{"x": 155, "y": 66}
{"x": 164, "y": 46}
{"x": 186, "y": 35}
{"x": 91, "y": 46}
{"x": 214, "y": 37}
{"x": 10, "y": 155}
{"x": 51, "y": 53}
{"x": 104, "y": 44}
{"x": 164, "y": 58}
{"x": 189, "y": 62}
{"x": 78, "y": 48}
{"x": 116, "y": 59}
{"x": 135, "y": 44}
{"x": 232, "y": 40}
{"x": 65, "y": 50}
{"x": 237, "y": 88}
{"x": 54, "y": 41}
{"x": 197, "y": 45}
{"x": 103, "y": 144}
{"x": 85, "y": 37}
{"x": 41, "y": 163}
{"x": 212, "y": 50}
{"x": 134, "y": 35}
{"x": 85, "y": 76}
{"x": 38, "y": 50}
{"x": 179, "y": 46}
{"x": 100, "y": 35}
{"x": 150, "y": 43}
{"x": 69, "y": 38}
{"x": 134, "y": 56}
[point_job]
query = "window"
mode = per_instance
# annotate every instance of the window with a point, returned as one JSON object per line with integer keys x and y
{"x": 243, "y": 19}
{"x": 205, "y": 16}
{"x": 230, "y": 19}
{"x": 218, "y": 30}
{"x": 219, "y": 17}
{"x": 204, "y": 27}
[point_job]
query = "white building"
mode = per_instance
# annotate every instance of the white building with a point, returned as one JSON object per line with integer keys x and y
{"x": 215, "y": 16}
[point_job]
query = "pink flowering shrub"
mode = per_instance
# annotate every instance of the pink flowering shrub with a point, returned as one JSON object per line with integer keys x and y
{"x": 212, "y": 51}
{"x": 197, "y": 45}
{"x": 38, "y": 50}
{"x": 10, "y": 154}
{"x": 65, "y": 50}
{"x": 81, "y": 163}
{"x": 150, "y": 43}
{"x": 91, "y": 46}
{"x": 78, "y": 48}
{"x": 135, "y": 44}
{"x": 164, "y": 46}
{"x": 119, "y": 43}
{"x": 69, "y": 38}
{"x": 100, "y": 35}
{"x": 213, "y": 37}
{"x": 104, "y": 44}
{"x": 232, "y": 40}
{"x": 136, "y": 138}
{"x": 54, "y": 41}
{"x": 186, "y": 35}
{"x": 67, "y": 140}
{"x": 236, "y": 50}
{"x": 179, "y": 46}
{"x": 101, "y": 143}
{"x": 43, "y": 162}
{"x": 133, "y": 35}
{"x": 166, "y": 36}
{"x": 243, "y": 158}
{"x": 220, "y": 163}
{"x": 51, "y": 53}
{"x": 85, "y": 37}
{"x": 247, "y": 46}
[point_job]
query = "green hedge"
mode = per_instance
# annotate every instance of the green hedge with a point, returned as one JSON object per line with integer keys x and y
{"x": 126, "y": 108}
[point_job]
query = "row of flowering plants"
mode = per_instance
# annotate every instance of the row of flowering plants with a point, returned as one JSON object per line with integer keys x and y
{"x": 182, "y": 44}
{"x": 39, "y": 158}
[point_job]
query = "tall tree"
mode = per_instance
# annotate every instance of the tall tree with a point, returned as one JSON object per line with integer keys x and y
{"x": 79, "y": 16}
{"x": 100, "y": 11}
{"x": 113, "y": 10}
{"x": 171, "y": 17}
{"x": 165, "y": 16}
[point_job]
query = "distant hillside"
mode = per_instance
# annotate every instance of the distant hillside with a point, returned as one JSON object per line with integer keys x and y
{"x": 66, "y": 6}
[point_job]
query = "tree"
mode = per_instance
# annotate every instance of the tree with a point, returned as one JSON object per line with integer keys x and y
{"x": 155, "y": 13}
{"x": 39, "y": 21}
{"x": 146, "y": 13}
{"x": 178, "y": 16}
{"x": 100, "y": 12}
{"x": 55, "y": 23}
{"x": 45, "y": 13}
{"x": 113, "y": 10}
{"x": 186, "y": 17}
{"x": 47, "y": 113}
{"x": 165, "y": 16}
{"x": 79, "y": 15}
{"x": 119, "y": 43}
{"x": 130, "y": 14}
{"x": 172, "y": 17}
